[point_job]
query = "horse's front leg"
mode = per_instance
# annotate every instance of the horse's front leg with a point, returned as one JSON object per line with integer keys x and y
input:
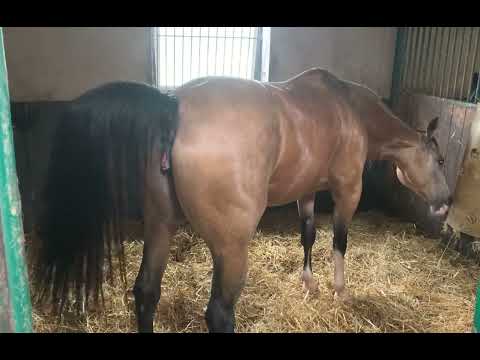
{"x": 346, "y": 200}
{"x": 306, "y": 207}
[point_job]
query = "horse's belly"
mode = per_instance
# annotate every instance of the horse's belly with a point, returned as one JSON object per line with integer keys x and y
{"x": 290, "y": 190}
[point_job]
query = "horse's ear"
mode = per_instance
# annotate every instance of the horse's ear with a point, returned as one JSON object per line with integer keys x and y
{"x": 432, "y": 127}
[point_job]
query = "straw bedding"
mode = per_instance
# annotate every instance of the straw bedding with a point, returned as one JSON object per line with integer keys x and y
{"x": 400, "y": 282}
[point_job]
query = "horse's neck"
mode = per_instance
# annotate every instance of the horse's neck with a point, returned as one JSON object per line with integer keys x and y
{"x": 393, "y": 140}
{"x": 388, "y": 136}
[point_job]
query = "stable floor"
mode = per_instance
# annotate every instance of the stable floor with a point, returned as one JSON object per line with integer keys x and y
{"x": 400, "y": 282}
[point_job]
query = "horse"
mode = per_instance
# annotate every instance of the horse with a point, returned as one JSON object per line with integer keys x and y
{"x": 215, "y": 153}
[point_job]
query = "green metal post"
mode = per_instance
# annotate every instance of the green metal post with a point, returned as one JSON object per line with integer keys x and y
{"x": 398, "y": 65}
{"x": 18, "y": 303}
{"x": 476, "y": 318}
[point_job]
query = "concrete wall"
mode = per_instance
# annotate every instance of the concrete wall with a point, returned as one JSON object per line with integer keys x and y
{"x": 363, "y": 55}
{"x": 51, "y": 64}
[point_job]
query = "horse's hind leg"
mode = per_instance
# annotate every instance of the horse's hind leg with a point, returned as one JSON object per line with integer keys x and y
{"x": 148, "y": 283}
{"x": 307, "y": 222}
{"x": 229, "y": 274}
{"x": 162, "y": 216}
{"x": 227, "y": 231}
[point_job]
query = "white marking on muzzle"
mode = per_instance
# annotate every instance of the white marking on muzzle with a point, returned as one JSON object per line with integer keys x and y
{"x": 440, "y": 212}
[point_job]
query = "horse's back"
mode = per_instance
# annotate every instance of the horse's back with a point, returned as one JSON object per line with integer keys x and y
{"x": 230, "y": 99}
{"x": 278, "y": 137}
{"x": 224, "y": 112}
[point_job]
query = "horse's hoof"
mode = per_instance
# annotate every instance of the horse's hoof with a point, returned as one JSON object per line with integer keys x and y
{"x": 309, "y": 283}
{"x": 343, "y": 296}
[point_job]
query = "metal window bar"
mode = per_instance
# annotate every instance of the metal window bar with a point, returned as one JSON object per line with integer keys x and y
{"x": 443, "y": 62}
{"x": 184, "y": 54}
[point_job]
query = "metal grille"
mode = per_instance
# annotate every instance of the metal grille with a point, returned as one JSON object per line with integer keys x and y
{"x": 186, "y": 53}
{"x": 442, "y": 62}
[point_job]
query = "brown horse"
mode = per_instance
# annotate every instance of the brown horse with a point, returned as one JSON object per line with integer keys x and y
{"x": 237, "y": 147}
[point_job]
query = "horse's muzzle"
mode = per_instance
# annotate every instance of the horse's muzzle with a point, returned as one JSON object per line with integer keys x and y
{"x": 442, "y": 210}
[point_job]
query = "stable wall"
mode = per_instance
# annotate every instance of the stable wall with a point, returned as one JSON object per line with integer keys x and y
{"x": 55, "y": 64}
{"x": 47, "y": 66}
{"x": 51, "y": 64}
{"x": 363, "y": 55}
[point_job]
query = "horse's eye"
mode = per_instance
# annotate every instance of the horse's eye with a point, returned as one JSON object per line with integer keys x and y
{"x": 441, "y": 162}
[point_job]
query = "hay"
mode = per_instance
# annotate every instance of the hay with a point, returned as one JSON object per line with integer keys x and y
{"x": 401, "y": 282}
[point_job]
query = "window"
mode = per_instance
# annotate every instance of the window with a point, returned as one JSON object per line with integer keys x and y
{"x": 187, "y": 53}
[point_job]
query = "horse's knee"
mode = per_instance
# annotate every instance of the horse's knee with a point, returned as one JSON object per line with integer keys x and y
{"x": 307, "y": 237}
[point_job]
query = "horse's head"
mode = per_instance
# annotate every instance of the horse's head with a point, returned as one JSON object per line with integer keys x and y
{"x": 420, "y": 169}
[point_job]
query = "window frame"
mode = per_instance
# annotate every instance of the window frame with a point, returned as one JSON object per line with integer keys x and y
{"x": 261, "y": 57}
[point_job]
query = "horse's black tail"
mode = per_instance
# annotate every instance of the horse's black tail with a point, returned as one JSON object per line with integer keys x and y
{"x": 96, "y": 173}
